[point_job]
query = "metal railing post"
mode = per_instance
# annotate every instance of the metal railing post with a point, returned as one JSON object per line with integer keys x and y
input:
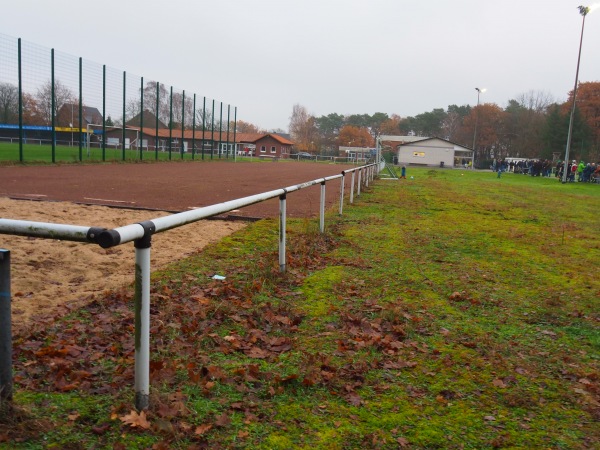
{"x": 142, "y": 322}
{"x": 352, "y": 187}
{"x": 359, "y": 182}
{"x": 322, "y": 209}
{"x": 282, "y": 222}
{"x": 342, "y": 192}
{"x": 6, "y": 381}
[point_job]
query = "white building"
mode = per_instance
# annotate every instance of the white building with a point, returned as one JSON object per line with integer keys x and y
{"x": 434, "y": 152}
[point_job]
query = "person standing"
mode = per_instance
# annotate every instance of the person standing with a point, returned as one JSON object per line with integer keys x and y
{"x": 403, "y": 172}
{"x": 580, "y": 168}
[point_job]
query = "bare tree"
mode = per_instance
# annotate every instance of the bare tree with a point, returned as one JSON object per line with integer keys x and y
{"x": 9, "y": 103}
{"x": 525, "y": 122}
{"x": 62, "y": 95}
{"x": 164, "y": 99}
{"x": 179, "y": 108}
{"x": 132, "y": 109}
{"x": 537, "y": 101}
{"x": 303, "y": 129}
{"x": 200, "y": 113}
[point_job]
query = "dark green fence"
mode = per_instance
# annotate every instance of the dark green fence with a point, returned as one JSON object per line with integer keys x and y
{"x": 58, "y": 107}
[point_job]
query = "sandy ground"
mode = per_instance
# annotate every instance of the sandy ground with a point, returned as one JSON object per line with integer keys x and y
{"x": 46, "y": 274}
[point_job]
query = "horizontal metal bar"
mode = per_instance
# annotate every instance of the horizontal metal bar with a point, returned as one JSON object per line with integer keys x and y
{"x": 49, "y": 230}
{"x": 128, "y": 233}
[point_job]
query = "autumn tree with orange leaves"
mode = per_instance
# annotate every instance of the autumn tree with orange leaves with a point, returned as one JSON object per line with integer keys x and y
{"x": 351, "y": 136}
{"x": 588, "y": 105}
{"x": 490, "y": 120}
{"x": 245, "y": 127}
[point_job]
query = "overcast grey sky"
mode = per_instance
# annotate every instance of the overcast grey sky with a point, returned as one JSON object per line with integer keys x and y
{"x": 400, "y": 57}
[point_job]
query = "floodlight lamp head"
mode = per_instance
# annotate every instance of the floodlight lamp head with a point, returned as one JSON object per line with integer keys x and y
{"x": 583, "y": 10}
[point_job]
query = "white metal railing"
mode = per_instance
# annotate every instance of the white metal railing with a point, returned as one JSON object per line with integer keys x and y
{"x": 141, "y": 234}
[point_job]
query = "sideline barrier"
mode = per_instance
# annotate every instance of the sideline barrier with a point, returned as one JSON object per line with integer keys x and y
{"x": 141, "y": 234}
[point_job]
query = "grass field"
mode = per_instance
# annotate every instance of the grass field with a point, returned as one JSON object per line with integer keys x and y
{"x": 42, "y": 154}
{"x": 36, "y": 154}
{"x": 452, "y": 310}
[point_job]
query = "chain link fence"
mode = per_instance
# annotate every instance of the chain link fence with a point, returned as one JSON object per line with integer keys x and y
{"x": 58, "y": 107}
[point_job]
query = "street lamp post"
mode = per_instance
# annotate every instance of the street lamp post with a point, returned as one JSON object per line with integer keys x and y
{"x": 583, "y": 10}
{"x": 479, "y": 91}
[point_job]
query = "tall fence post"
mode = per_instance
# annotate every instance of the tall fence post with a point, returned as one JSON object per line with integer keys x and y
{"x": 220, "y": 129}
{"x": 182, "y": 148}
{"x": 342, "y": 192}
{"x": 80, "y": 114}
{"x": 156, "y": 121}
{"x": 194, "y": 130}
{"x": 20, "y": 102}
{"x": 142, "y": 322}
{"x": 212, "y": 130}
{"x": 203, "y": 124}
{"x": 124, "y": 128}
{"x": 170, "y": 122}
{"x": 53, "y": 106}
{"x": 104, "y": 113}
{"x": 141, "y": 139}
{"x": 282, "y": 222}
{"x": 234, "y": 132}
{"x": 322, "y": 209}
{"x": 6, "y": 381}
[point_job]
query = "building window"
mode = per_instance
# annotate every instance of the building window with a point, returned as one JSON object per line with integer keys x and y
{"x": 263, "y": 149}
{"x": 273, "y": 149}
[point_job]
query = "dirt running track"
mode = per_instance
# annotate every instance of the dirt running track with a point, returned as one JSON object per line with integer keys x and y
{"x": 48, "y": 276}
{"x": 174, "y": 186}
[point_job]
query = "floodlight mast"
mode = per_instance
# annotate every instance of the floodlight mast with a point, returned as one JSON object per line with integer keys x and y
{"x": 583, "y": 10}
{"x": 479, "y": 91}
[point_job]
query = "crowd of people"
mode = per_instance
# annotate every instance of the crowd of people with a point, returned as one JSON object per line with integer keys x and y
{"x": 581, "y": 172}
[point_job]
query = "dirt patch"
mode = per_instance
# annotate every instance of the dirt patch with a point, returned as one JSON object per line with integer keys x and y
{"x": 48, "y": 274}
